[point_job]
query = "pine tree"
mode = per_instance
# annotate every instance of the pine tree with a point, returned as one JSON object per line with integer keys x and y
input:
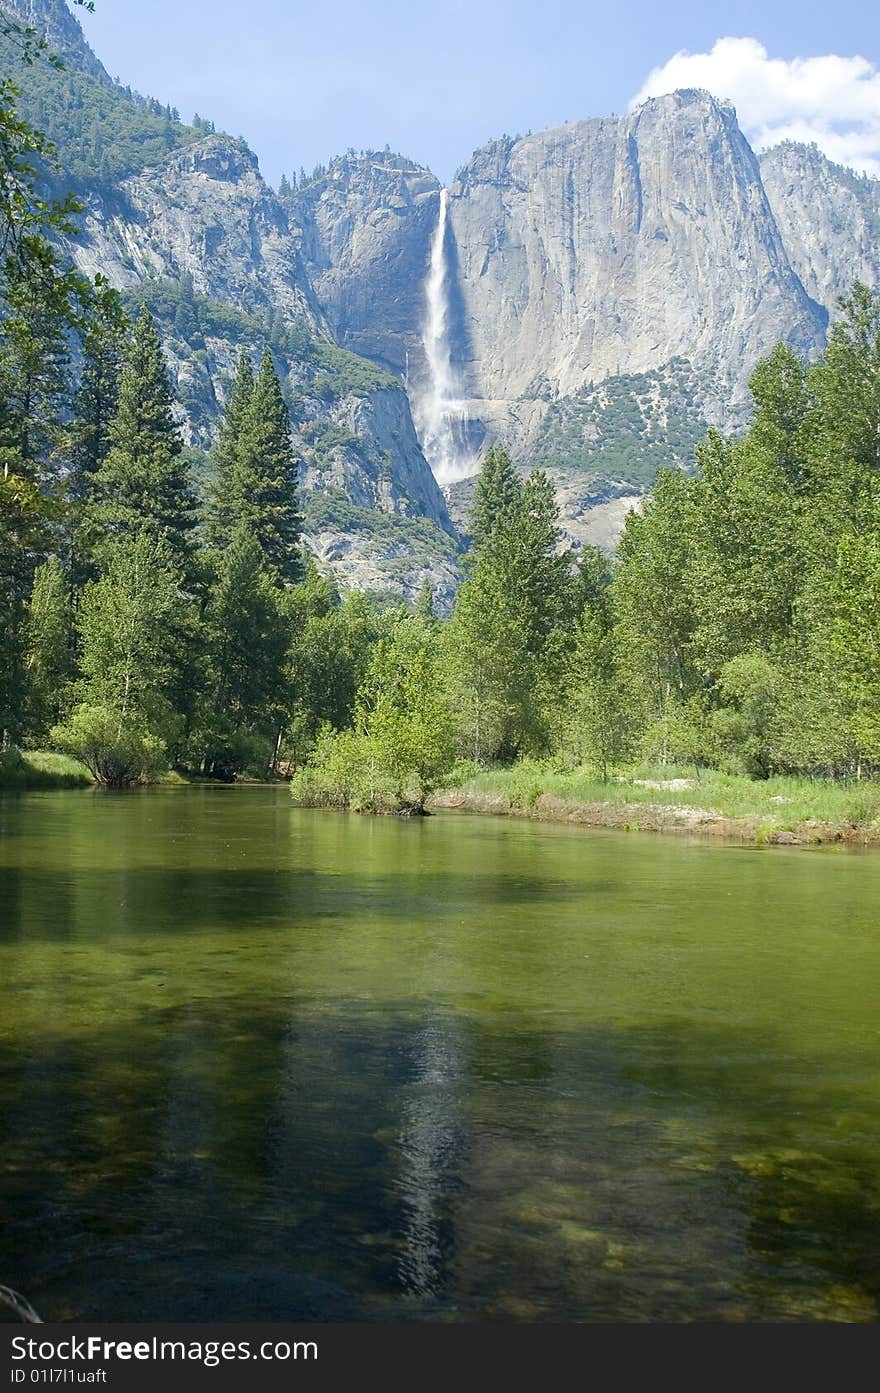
{"x": 24, "y": 534}
{"x": 263, "y": 489}
{"x": 221, "y": 517}
{"x": 425, "y": 601}
{"x": 497, "y": 496}
{"x": 540, "y": 572}
{"x": 97, "y": 398}
{"x": 40, "y": 306}
{"x": 518, "y": 591}
{"x": 143, "y": 478}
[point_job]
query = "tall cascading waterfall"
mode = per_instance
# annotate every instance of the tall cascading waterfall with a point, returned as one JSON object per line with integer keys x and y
{"x": 440, "y": 414}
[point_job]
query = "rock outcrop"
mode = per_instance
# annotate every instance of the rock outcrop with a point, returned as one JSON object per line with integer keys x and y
{"x": 364, "y": 227}
{"x": 829, "y": 218}
{"x": 204, "y": 211}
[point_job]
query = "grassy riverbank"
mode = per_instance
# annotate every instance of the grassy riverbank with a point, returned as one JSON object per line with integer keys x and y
{"x": 23, "y": 769}
{"x": 779, "y": 810}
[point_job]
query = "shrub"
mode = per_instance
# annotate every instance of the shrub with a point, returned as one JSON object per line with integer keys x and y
{"x": 117, "y": 753}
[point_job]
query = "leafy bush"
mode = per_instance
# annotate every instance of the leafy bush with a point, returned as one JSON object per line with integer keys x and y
{"x": 117, "y": 753}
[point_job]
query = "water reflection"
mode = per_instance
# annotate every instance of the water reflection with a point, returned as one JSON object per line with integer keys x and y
{"x": 255, "y": 1064}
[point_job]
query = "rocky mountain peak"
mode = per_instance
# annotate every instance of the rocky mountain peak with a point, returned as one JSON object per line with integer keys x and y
{"x": 611, "y": 245}
{"x": 54, "y": 22}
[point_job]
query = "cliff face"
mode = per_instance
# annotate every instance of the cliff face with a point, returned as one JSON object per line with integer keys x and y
{"x": 364, "y": 228}
{"x": 829, "y": 218}
{"x": 205, "y": 211}
{"x": 604, "y": 251}
{"x": 612, "y": 246}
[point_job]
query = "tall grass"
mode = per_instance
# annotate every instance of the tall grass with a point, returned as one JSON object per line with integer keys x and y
{"x": 24, "y": 769}
{"x": 783, "y": 802}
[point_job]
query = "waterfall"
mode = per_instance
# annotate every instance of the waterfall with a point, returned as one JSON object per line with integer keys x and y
{"x": 441, "y": 417}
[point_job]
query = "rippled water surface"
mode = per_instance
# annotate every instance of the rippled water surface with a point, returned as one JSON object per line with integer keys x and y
{"x": 257, "y": 1062}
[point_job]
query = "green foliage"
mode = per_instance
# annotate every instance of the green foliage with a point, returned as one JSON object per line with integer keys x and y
{"x": 27, "y": 769}
{"x": 331, "y": 511}
{"x": 49, "y": 663}
{"x": 648, "y": 795}
{"x": 745, "y": 600}
{"x": 101, "y": 132}
{"x": 192, "y": 317}
{"x": 503, "y": 637}
{"x": 258, "y": 477}
{"x": 129, "y": 625}
{"x": 117, "y": 751}
{"x": 402, "y": 746}
{"x": 341, "y": 373}
{"x": 245, "y": 650}
{"x": 600, "y": 726}
{"x": 627, "y": 428}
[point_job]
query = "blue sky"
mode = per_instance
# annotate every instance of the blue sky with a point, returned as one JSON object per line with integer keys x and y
{"x": 302, "y": 82}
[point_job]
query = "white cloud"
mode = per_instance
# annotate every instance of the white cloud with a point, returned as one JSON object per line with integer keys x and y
{"x": 831, "y": 100}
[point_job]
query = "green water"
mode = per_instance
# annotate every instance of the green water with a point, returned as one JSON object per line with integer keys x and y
{"x": 258, "y": 1062}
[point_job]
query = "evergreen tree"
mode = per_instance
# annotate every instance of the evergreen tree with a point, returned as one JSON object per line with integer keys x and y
{"x": 143, "y": 479}
{"x": 24, "y": 533}
{"x": 263, "y": 483}
{"x": 39, "y": 307}
{"x": 517, "y": 591}
{"x": 97, "y": 398}
{"x": 497, "y": 498}
{"x": 221, "y": 516}
{"x": 425, "y": 600}
{"x": 492, "y": 674}
{"x": 94, "y": 410}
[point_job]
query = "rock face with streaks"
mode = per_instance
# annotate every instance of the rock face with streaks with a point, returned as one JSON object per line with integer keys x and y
{"x": 829, "y": 218}
{"x": 364, "y": 229}
{"x": 612, "y": 246}
{"x": 597, "y": 250}
{"x": 206, "y": 212}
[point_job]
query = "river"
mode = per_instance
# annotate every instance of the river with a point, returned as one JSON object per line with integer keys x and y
{"x": 259, "y": 1062}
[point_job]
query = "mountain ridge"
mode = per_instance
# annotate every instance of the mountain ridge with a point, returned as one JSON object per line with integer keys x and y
{"x": 611, "y": 284}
